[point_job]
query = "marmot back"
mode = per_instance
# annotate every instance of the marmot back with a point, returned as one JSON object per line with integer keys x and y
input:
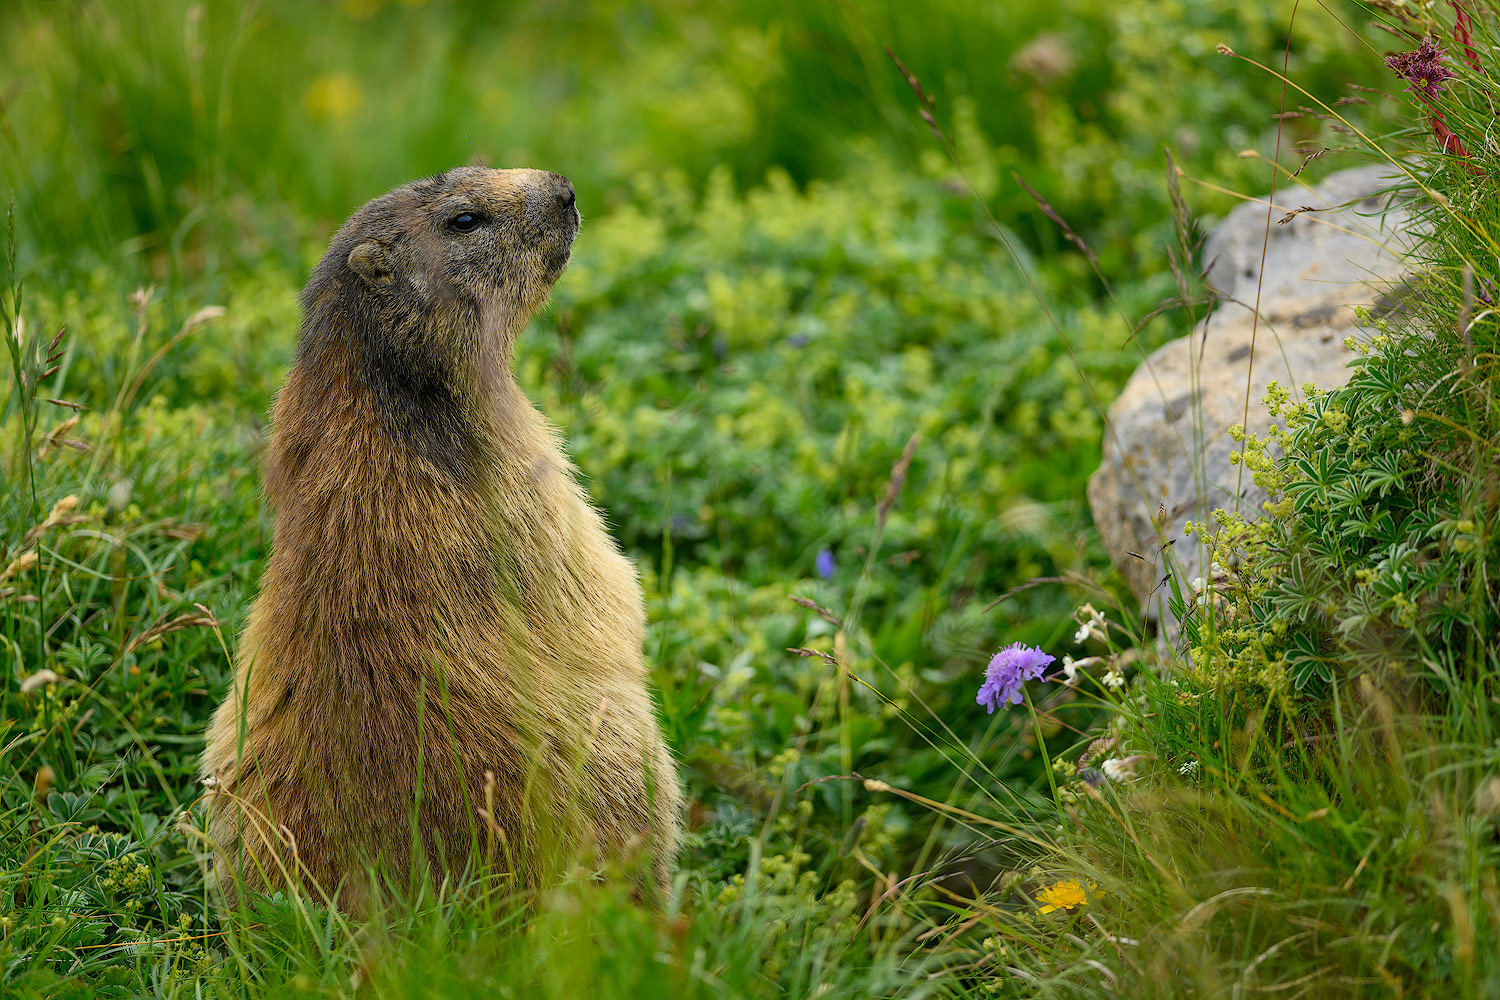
{"x": 446, "y": 639}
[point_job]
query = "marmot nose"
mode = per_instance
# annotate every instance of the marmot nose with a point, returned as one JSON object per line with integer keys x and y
{"x": 565, "y": 194}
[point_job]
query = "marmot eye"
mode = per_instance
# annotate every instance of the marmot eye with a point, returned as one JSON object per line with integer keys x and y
{"x": 464, "y": 222}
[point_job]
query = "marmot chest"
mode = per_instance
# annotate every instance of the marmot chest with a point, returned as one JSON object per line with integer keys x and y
{"x": 555, "y": 558}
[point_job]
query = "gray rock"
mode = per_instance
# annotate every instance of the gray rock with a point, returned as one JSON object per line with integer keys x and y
{"x": 1167, "y": 460}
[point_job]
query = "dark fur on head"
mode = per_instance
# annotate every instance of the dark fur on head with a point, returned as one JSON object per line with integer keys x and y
{"x": 408, "y": 297}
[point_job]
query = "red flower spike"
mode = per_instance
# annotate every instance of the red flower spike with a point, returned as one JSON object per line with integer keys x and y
{"x": 1463, "y": 33}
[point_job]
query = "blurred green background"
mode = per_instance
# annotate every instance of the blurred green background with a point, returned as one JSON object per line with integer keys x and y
{"x": 781, "y": 278}
{"x": 162, "y": 128}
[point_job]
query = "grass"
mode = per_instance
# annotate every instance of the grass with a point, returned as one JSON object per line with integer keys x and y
{"x": 1310, "y": 809}
{"x": 782, "y": 291}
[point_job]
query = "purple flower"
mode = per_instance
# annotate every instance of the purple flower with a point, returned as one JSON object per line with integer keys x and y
{"x": 825, "y": 564}
{"x": 1008, "y": 671}
{"x": 1423, "y": 68}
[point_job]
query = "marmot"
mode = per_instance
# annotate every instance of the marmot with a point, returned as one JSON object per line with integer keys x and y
{"x": 446, "y": 650}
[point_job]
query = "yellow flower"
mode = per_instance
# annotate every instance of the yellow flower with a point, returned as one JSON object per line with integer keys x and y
{"x": 335, "y": 96}
{"x": 1065, "y": 895}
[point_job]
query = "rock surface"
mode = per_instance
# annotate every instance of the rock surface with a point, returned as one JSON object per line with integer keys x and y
{"x": 1166, "y": 460}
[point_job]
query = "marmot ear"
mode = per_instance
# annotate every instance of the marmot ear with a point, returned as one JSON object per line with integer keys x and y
{"x": 368, "y": 260}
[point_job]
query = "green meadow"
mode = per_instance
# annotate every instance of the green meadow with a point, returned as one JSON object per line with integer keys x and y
{"x": 837, "y": 377}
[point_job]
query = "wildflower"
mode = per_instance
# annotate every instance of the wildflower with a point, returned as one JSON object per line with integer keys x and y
{"x": 1120, "y": 769}
{"x": 39, "y": 679}
{"x": 1070, "y": 668}
{"x": 334, "y": 96}
{"x": 996, "y": 945}
{"x": 119, "y": 494}
{"x": 1423, "y": 68}
{"x": 1114, "y": 680}
{"x": 1197, "y": 584}
{"x": 1463, "y": 33}
{"x": 1094, "y": 626}
{"x": 1092, "y": 776}
{"x": 1189, "y": 767}
{"x": 825, "y": 564}
{"x": 1446, "y": 137}
{"x": 1065, "y": 895}
{"x": 1008, "y": 671}
{"x": 1100, "y": 746}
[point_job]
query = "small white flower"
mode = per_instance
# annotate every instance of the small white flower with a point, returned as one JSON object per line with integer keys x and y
{"x": 1116, "y": 769}
{"x": 1071, "y": 667}
{"x": 1094, "y": 626}
{"x": 1114, "y": 680}
{"x": 1197, "y": 583}
{"x": 1216, "y": 570}
{"x": 39, "y": 679}
{"x": 1188, "y": 767}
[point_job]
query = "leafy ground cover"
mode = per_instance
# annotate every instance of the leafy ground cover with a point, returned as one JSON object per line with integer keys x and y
{"x": 784, "y": 294}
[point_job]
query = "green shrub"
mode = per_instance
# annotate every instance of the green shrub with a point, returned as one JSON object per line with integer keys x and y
{"x": 1378, "y": 547}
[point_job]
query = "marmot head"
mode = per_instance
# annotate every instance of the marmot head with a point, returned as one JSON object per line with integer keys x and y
{"x": 486, "y": 238}
{"x": 427, "y": 286}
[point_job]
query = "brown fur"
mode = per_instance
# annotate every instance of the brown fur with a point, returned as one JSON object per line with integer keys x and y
{"x": 442, "y": 600}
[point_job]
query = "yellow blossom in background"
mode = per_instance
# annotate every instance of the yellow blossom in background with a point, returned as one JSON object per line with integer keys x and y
{"x": 334, "y": 96}
{"x": 1065, "y": 895}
